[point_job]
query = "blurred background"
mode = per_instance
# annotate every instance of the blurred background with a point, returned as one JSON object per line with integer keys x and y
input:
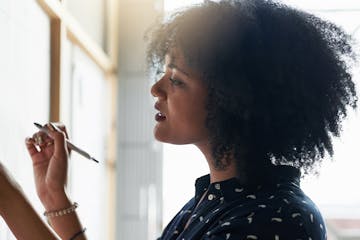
{"x": 82, "y": 62}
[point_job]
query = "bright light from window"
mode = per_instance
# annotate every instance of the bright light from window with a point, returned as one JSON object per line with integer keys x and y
{"x": 171, "y": 5}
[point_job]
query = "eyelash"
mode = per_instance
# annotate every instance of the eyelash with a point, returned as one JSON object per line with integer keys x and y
{"x": 175, "y": 82}
{"x": 160, "y": 74}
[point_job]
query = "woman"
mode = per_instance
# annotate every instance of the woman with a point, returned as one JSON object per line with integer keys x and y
{"x": 259, "y": 88}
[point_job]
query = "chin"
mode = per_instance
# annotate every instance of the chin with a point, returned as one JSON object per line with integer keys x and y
{"x": 159, "y": 135}
{"x": 172, "y": 137}
{"x": 163, "y": 138}
{"x": 167, "y": 139}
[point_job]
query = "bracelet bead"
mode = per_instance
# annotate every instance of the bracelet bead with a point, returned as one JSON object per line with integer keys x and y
{"x": 61, "y": 212}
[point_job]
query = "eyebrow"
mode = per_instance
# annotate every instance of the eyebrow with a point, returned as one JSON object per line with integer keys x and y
{"x": 173, "y": 66}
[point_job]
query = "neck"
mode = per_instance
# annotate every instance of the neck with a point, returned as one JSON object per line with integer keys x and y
{"x": 217, "y": 175}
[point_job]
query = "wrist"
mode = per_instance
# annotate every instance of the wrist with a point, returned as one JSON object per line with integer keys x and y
{"x": 56, "y": 201}
{"x": 61, "y": 212}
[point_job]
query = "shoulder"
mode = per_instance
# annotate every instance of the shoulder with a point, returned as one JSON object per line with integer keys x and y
{"x": 286, "y": 214}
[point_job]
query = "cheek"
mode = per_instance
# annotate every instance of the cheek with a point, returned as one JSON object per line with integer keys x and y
{"x": 191, "y": 117}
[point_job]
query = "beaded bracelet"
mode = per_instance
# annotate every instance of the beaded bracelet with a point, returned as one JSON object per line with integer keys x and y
{"x": 61, "y": 212}
{"x": 82, "y": 231}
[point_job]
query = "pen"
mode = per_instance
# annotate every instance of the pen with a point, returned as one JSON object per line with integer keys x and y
{"x": 68, "y": 143}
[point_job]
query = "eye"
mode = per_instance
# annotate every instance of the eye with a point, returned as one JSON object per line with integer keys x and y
{"x": 175, "y": 82}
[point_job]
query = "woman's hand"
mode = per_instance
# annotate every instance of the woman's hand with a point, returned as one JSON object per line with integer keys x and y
{"x": 49, "y": 155}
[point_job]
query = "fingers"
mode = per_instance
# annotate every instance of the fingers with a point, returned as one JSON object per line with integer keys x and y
{"x": 58, "y": 127}
{"x": 30, "y": 145}
{"x": 41, "y": 138}
{"x": 52, "y": 135}
{"x": 38, "y": 142}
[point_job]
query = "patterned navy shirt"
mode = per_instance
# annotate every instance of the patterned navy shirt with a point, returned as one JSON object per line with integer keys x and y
{"x": 276, "y": 210}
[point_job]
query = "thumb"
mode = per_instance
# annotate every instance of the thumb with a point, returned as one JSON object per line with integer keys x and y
{"x": 59, "y": 137}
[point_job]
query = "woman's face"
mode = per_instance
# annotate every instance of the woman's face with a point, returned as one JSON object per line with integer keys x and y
{"x": 181, "y": 99}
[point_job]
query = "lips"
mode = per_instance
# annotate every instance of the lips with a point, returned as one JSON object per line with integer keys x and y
{"x": 159, "y": 116}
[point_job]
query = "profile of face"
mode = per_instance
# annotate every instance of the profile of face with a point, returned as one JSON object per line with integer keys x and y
{"x": 181, "y": 100}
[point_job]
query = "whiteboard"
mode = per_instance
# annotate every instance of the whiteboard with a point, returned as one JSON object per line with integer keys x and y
{"x": 24, "y": 87}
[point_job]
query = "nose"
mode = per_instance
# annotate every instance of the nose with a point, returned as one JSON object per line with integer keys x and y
{"x": 157, "y": 90}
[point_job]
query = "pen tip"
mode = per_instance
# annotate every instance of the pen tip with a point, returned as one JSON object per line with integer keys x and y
{"x": 37, "y": 124}
{"x": 94, "y": 160}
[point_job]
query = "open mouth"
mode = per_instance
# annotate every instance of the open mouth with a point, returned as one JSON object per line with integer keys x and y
{"x": 159, "y": 117}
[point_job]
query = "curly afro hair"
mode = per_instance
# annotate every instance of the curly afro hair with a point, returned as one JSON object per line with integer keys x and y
{"x": 279, "y": 79}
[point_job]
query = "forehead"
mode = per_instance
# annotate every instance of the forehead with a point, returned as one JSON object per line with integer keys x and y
{"x": 174, "y": 56}
{"x": 175, "y": 59}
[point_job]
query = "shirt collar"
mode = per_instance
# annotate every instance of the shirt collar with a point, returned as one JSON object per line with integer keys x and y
{"x": 231, "y": 188}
